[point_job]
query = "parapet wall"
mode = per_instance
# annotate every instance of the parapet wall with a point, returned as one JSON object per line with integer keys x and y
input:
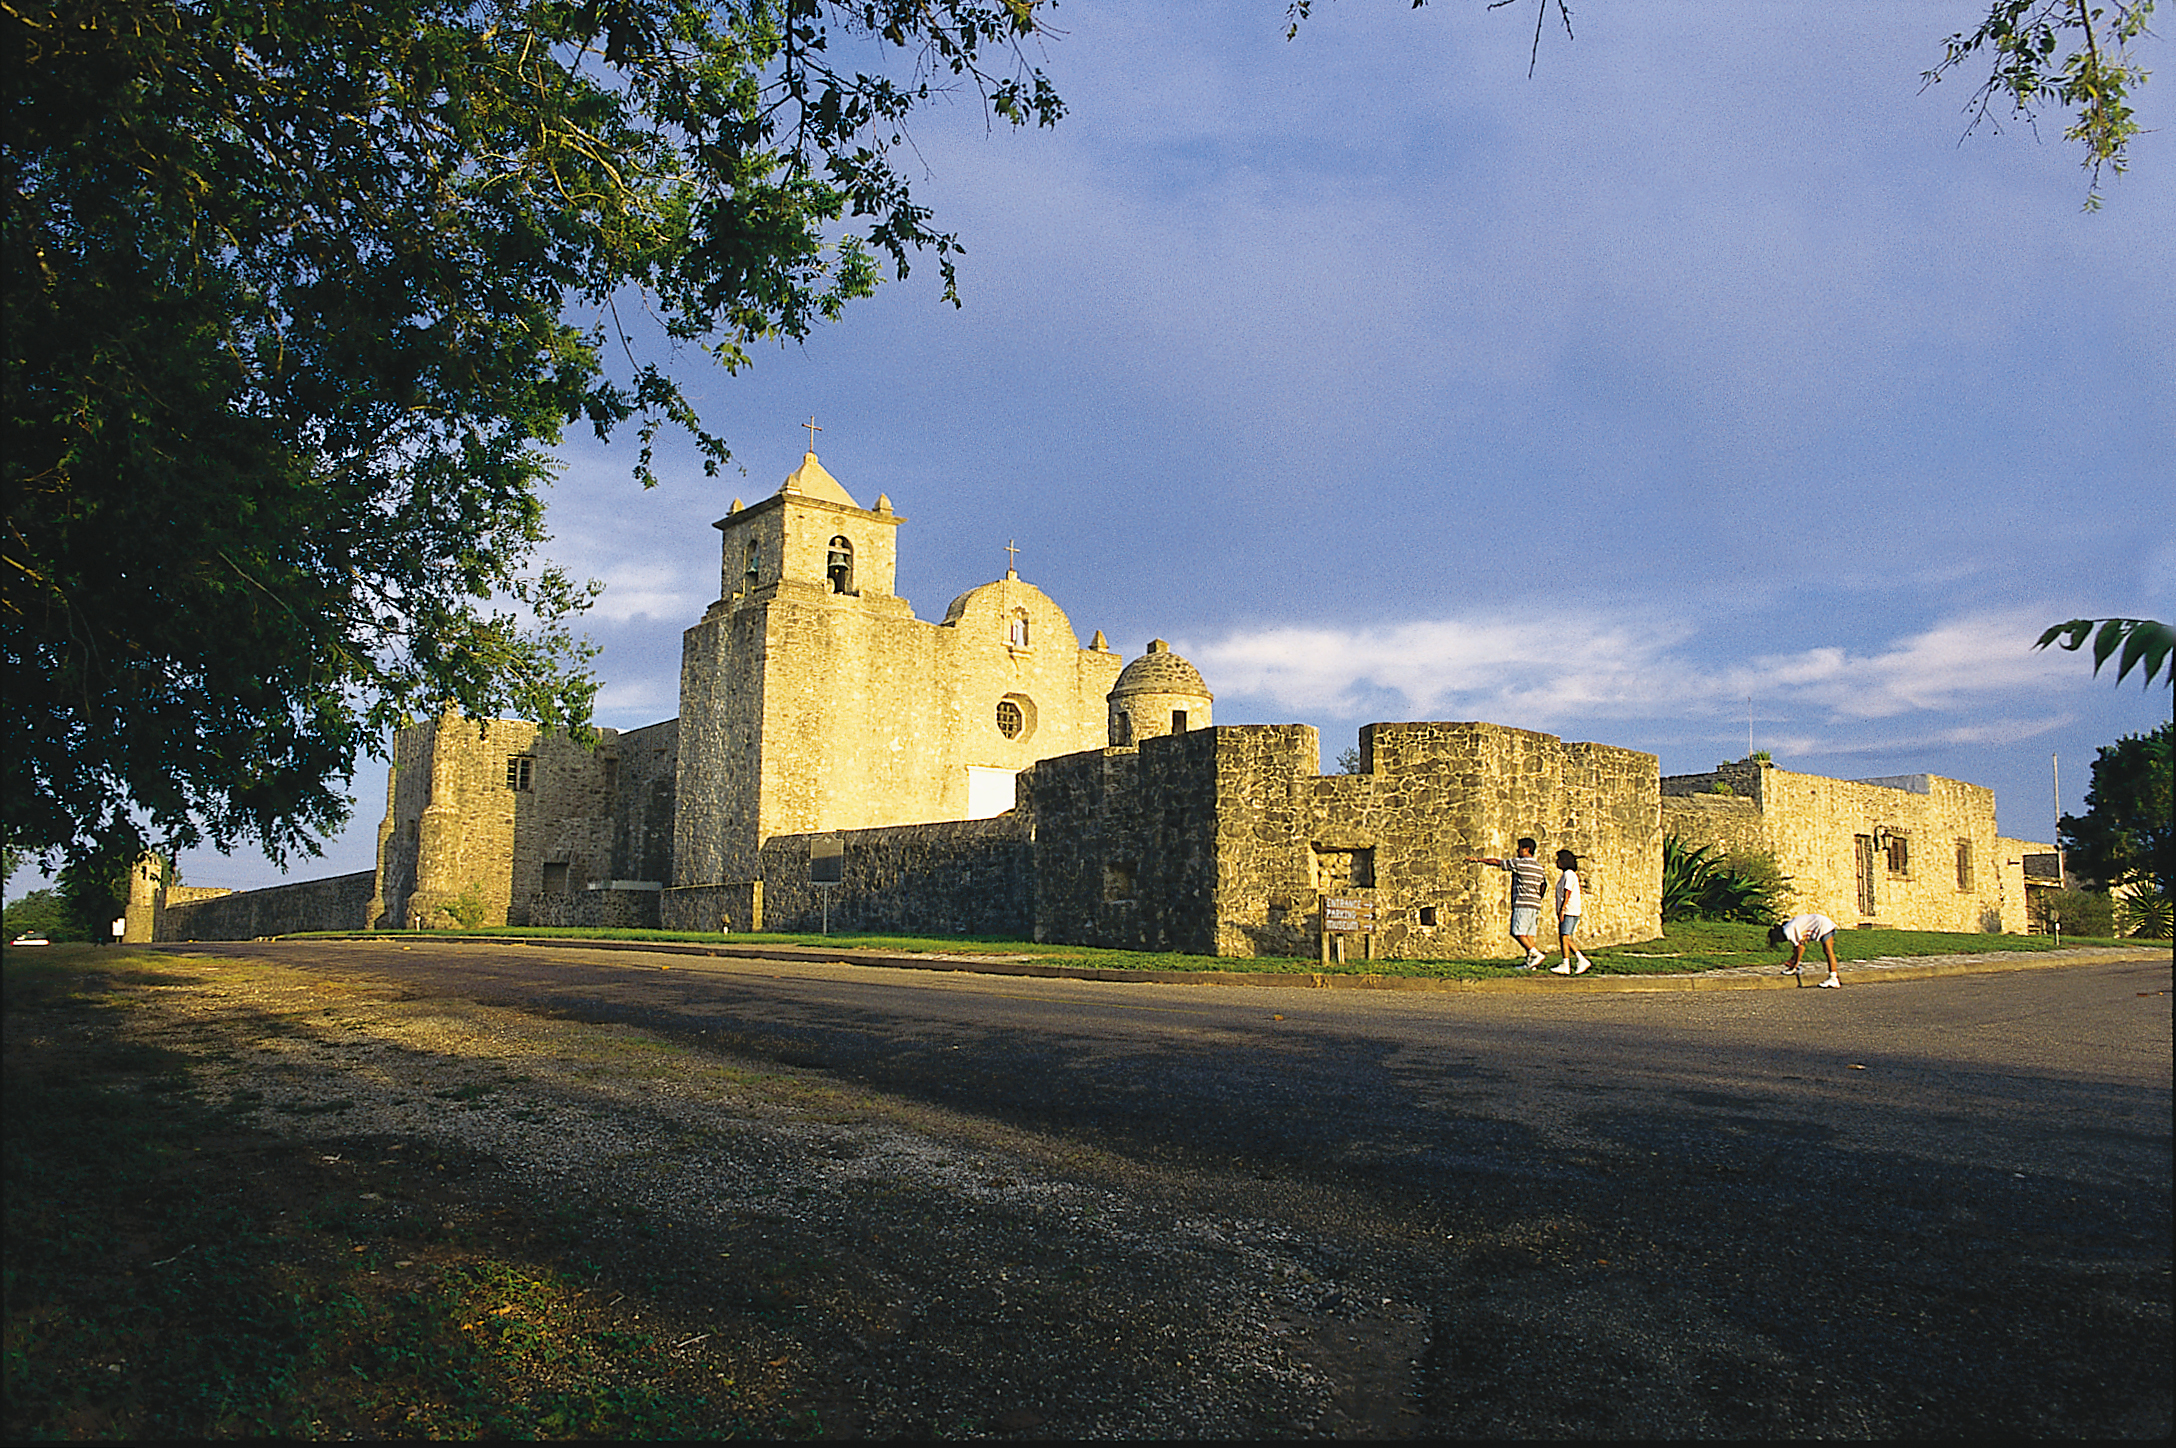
{"x": 341, "y": 902}
{"x": 956, "y": 877}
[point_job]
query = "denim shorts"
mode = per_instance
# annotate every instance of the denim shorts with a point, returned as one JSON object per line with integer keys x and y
{"x": 1568, "y": 926}
{"x": 1525, "y": 919}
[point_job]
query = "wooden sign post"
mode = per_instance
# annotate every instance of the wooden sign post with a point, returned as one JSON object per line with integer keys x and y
{"x": 1343, "y": 916}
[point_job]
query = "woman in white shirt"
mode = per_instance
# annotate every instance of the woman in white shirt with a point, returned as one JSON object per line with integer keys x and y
{"x": 1569, "y": 901}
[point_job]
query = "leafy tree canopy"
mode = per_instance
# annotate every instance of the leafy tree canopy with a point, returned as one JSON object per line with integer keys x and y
{"x": 41, "y": 911}
{"x": 2128, "y": 831}
{"x": 297, "y": 299}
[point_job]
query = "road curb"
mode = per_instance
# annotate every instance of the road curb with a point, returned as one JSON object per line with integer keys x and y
{"x": 1854, "y": 973}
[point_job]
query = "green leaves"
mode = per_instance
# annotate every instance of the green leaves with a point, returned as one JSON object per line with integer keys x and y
{"x": 2066, "y": 53}
{"x": 2142, "y": 641}
{"x": 1698, "y": 884}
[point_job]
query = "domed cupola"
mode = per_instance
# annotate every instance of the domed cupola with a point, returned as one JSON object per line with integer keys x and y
{"x": 1158, "y": 693}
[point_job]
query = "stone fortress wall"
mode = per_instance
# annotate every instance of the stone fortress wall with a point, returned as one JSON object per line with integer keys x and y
{"x": 1913, "y": 851}
{"x": 1227, "y": 841}
{"x": 181, "y": 912}
{"x": 533, "y": 827}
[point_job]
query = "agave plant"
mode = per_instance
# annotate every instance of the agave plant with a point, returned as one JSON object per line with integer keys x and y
{"x": 1698, "y": 884}
{"x": 2146, "y": 912}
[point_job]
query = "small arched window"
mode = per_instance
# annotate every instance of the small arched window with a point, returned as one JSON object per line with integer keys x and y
{"x": 839, "y": 565}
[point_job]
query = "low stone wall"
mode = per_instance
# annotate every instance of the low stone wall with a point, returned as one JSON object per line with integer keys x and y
{"x": 957, "y": 877}
{"x": 588, "y": 909}
{"x": 341, "y": 902}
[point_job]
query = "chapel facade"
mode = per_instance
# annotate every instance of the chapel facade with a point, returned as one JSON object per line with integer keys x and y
{"x": 812, "y": 699}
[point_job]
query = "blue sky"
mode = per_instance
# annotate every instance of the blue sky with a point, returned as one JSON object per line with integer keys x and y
{"x": 1708, "y": 364}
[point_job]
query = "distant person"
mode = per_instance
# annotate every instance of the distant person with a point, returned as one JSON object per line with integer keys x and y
{"x": 1568, "y": 900}
{"x": 1798, "y": 930}
{"x": 1529, "y": 887}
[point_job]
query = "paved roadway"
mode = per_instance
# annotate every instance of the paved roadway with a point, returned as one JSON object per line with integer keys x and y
{"x": 1953, "y": 1193}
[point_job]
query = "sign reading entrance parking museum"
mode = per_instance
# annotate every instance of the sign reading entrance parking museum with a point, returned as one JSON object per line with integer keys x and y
{"x": 1347, "y": 917}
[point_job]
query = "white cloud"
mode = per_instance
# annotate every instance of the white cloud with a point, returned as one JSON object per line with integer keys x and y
{"x": 1583, "y": 665}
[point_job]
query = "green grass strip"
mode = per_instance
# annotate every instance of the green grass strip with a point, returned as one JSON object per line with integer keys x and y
{"x": 1690, "y": 946}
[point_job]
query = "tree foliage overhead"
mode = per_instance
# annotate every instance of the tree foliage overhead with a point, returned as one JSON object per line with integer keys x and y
{"x": 300, "y": 293}
{"x": 2127, "y": 834}
{"x": 2071, "y": 55}
{"x": 2068, "y": 55}
{"x": 2145, "y": 644}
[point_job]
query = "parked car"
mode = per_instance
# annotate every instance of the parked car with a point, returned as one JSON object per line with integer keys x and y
{"x": 31, "y": 937}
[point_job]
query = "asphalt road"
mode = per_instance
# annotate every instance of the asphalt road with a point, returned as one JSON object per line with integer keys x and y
{"x": 1927, "y": 1207}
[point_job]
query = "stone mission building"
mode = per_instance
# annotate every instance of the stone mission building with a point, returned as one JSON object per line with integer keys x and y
{"x": 838, "y": 759}
{"x": 812, "y": 699}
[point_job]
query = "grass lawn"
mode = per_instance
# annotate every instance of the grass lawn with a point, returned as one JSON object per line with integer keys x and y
{"x": 1684, "y": 947}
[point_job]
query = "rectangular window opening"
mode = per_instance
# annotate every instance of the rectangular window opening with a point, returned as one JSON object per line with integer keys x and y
{"x": 520, "y": 771}
{"x": 1118, "y": 879}
{"x": 1338, "y": 869}
{"x": 1964, "y": 864}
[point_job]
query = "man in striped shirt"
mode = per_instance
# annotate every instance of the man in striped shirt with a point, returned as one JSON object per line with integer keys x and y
{"x": 1529, "y": 887}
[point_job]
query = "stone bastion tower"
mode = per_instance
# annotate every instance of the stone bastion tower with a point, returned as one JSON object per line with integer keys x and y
{"x": 812, "y": 699}
{"x": 1157, "y": 694}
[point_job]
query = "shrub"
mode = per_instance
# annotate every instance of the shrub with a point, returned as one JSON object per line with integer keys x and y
{"x": 2077, "y": 912}
{"x": 1698, "y": 885}
{"x": 467, "y": 911}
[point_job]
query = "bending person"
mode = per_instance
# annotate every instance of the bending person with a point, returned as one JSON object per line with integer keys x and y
{"x": 1800, "y": 929}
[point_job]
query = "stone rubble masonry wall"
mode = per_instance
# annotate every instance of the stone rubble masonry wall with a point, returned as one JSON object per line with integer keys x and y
{"x": 1280, "y": 834}
{"x": 454, "y": 826}
{"x": 341, "y": 902}
{"x": 645, "y": 803}
{"x": 954, "y": 877}
{"x": 1810, "y": 824}
{"x": 1125, "y": 843}
{"x": 591, "y": 909}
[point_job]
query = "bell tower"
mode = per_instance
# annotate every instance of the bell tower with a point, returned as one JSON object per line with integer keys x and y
{"x": 808, "y": 539}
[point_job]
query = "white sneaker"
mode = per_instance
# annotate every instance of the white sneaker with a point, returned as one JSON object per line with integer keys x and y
{"x": 1562, "y": 967}
{"x": 1832, "y": 983}
{"x": 1585, "y": 965}
{"x": 1534, "y": 958}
